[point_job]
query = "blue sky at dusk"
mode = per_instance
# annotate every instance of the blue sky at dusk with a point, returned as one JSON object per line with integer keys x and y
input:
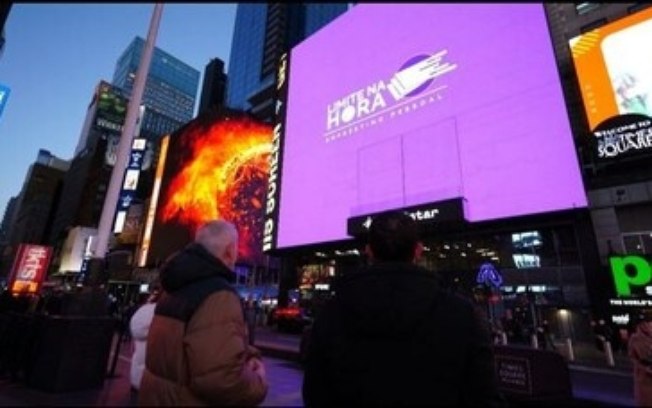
{"x": 55, "y": 54}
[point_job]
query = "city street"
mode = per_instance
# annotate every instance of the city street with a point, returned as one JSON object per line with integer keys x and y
{"x": 592, "y": 385}
{"x": 284, "y": 379}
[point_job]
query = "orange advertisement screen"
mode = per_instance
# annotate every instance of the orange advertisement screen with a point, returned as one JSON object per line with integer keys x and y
{"x": 30, "y": 268}
{"x": 614, "y": 69}
{"x": 217, "y": 167}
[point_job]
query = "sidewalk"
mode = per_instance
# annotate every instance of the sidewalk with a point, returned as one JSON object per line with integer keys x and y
{"x": 284, "y": 379}
{"x": 593, "y": 381}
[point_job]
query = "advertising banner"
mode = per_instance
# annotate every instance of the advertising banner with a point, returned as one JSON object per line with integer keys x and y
{"x": 111, "y": 109}
{"x": 614, "y": 69}
{"x": 29, "y": 268}
{"x": 392, "y": 106}
{"x": 215, "y": 167}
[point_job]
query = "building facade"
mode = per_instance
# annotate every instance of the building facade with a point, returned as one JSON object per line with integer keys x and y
{"x": 86, "y": 183}
{"x": 35, "y": 206}
{"x": 619, "y": 190}
{"x": 171, "y": 86}
{"x": 262, "y": 33}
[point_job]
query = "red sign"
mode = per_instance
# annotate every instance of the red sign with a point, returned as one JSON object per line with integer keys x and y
{"x": 29, "y": 269}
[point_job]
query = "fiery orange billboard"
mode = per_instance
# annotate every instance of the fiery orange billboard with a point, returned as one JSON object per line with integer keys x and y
{"x": 217, "y": 166}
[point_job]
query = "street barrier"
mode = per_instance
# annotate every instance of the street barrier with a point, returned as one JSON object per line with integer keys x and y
{"x": 569, "y": 348}
{"x": 69, "y": 353}
{"x": 527, "y": 375}
{"x": 608, "y": 352}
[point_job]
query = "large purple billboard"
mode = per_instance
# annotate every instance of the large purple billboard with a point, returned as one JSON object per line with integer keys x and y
{"x": 392, "y": 106}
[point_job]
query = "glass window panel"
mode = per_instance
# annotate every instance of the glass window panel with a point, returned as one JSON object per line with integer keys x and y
{"x": 632, "y": 244}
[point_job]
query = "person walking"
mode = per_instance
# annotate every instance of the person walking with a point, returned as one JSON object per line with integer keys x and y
{"x": 139, "y": 328}
{"x": 197, "y": 347}
{"x": 640, "y": 352}
{"x": 393, "y": 336}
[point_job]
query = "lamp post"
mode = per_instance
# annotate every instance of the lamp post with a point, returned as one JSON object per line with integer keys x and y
{"x": 96, "y": 263}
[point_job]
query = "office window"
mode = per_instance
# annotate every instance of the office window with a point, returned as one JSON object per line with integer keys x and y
{"x": 584, "y": 8}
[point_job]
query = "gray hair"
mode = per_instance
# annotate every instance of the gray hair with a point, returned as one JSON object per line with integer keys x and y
{"x": 216, "y": 236}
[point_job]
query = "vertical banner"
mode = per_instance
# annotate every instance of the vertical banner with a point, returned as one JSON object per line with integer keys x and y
{"x": 29, "y": 268}
{"x": 151, "y": 211}
{"x": 132, "y": 174}
{"x": 270, "y": 232}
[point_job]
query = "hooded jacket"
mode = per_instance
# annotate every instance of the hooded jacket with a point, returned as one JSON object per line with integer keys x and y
{"x": 197, "y": 346}
{"x": 391, "y": 336}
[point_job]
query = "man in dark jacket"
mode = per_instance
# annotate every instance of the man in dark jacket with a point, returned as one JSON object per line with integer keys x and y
{"x": 197, "y": 345}
{"x": 392, "y": 336}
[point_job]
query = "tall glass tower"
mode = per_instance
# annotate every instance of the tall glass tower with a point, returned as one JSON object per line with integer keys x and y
{"x": 171, "y": 86}
{"x": 262, "y": 33}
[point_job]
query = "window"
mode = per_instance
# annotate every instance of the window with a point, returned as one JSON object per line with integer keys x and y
{"x": 585, "y": 8}
{"x": 638, "y": 243}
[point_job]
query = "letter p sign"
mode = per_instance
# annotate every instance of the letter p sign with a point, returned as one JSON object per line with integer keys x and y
{"x": 629, "y": 271}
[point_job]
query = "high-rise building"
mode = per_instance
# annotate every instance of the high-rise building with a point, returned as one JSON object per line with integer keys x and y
{"x": 36, "y": 204}
{"x": 86, "y": 183}
{"x": 5, "y": 225}
{"x": 262, "y": 33}
{"x": 171, "y": 86}
{"x": 619, "y": 191}
{"x": 213, "y": 87}
{"x": 7, "y": 219}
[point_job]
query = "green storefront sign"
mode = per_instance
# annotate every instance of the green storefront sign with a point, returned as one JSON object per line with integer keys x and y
{"x": 630, "y": 271}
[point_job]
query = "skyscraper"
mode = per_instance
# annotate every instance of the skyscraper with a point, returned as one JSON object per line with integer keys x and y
{"x": 171, "y": 86}
{"x": 262, "y": 33}
{"x": 35, "y": 206}
{"x": 213, "y": 87}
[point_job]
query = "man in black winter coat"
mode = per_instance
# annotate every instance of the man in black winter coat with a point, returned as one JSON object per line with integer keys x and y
{"x": 392, "y": 336}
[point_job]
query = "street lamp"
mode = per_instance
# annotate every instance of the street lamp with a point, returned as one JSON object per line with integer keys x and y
{"x": 96, "y": 263}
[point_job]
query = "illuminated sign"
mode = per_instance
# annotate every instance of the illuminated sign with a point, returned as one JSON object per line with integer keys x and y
{"x": 151, "y": 211}
{"x": 130, "y": 183}
{"x": 449, "y": 103}
{"x": 448, "y": 211}
{"x": 111, "y": 109}
{"x": 630, "y": 271}
{"x": 29, "y": 268}
{"x": 488, "y": 275}
{"x": 217, "y": 167}
{"x": 4, "y": 95}
{"x": 614, "y": 69}
{"x": 275, "y": 158}
{"x": 387, "y": 99}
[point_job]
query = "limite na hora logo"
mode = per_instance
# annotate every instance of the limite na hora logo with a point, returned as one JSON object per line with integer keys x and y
{"x": 409, "y": 89}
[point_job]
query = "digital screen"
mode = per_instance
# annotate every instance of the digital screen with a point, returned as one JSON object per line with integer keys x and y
{"x": 613, "y": 64}
{"x": 522, "y": 261}
{"x": 397, "y": 105}
{"x": 111, "y": 108}
{"x": 216, "y": 168}
{"x": 526, "y": 239}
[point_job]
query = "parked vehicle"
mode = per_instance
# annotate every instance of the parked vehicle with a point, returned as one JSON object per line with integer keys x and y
{"x": 291, "y": 319}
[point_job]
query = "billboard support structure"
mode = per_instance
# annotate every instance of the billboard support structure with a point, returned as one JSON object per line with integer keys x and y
{"x": 108, "y": 210}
